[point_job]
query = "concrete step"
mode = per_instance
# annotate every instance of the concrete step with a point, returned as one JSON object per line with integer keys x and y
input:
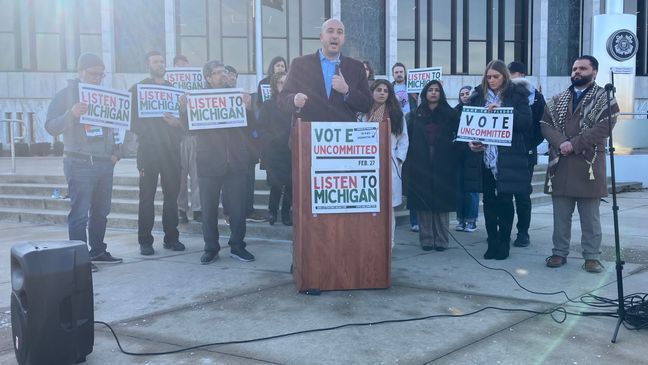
{"x": 129, "y": 221}
{"x": 60, "y": 180}
{"x": 119, "y": 191}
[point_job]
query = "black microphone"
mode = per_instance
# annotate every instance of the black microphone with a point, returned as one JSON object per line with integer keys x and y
{"x": 337, "y": 67}
{"x": 609, "y": 88}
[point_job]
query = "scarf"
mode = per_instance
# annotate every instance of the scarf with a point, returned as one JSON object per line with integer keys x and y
{"x": 491, "y": 152}
{"x": 378, "y": 113}
{"x": 593, "y": 107}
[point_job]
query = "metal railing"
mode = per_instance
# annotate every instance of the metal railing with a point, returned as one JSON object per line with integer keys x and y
{"x": 643, "y": 114}
{"x": 13, "y": 139}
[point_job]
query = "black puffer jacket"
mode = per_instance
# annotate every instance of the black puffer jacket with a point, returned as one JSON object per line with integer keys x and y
{"x": 512, "y": 161}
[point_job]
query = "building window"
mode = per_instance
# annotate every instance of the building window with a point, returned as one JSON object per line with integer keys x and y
{"x": 89, "y": 26}
{"x": 9, "y": 35}
{"x": 462, "y": 36}
{"x": 364, "y": 22}
{"x": 47, "y": 40}
{"x": 139, "y": 29}
{"x": 224, "y": 30}
{"x": 640, "y": 8}
{"x": 312, "y": 15}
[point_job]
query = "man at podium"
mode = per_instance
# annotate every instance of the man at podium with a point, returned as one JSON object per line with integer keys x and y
{"x": 325, "y": 85}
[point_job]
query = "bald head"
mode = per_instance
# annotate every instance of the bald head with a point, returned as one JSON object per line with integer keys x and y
{"x": 332, "y": 38}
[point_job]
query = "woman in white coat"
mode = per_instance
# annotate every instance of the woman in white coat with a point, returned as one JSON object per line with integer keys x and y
{"x": 386, "y": 108}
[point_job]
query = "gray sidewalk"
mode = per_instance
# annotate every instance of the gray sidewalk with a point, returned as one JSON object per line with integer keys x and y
{"x": 169, "y": 301}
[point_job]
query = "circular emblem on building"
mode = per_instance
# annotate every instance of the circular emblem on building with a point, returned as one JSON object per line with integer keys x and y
{"x": 622, "y": 45}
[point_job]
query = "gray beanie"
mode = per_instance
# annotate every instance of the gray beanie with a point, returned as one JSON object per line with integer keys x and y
{"x": 88, "y": 60}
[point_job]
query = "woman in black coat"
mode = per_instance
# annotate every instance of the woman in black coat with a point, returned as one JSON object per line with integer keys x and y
{"x": 274, "y": 126}
{"x": 432, "y": 158}
{"x": 504, "y": 169}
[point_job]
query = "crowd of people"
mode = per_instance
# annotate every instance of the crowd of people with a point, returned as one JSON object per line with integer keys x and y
{"x": 437, "y": 173}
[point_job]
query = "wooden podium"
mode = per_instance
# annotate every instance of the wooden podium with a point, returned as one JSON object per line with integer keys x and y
{"x": 339, "y": 251}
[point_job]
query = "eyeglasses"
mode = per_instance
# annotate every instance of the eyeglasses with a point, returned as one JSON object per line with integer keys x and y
{"x": 219, "y": 72}
{"x": 96, "y": 74}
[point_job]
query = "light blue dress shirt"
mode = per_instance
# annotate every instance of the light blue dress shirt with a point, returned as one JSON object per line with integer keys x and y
{"x": 328, "y": 70}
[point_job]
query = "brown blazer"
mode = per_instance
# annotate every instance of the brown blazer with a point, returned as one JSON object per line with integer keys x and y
{"x": 571, "y": 176}
{"x": 305, "y": 76}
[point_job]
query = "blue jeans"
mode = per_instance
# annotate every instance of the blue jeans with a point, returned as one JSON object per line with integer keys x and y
{"x": 90, "y": 189}
{"x": 467, "y": 203}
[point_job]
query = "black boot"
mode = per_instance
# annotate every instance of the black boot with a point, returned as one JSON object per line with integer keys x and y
{"x": 503, "y": 249}
{"x": 182, "y": 216}
{"x": 273, "y": 218}
{"x": 491, "y": 252}
{"x": 286, "y": 217}
{"x": 197, "y": 216}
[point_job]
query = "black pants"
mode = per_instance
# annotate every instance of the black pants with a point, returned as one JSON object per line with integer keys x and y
{"x": 523, "y": 207}
{"x": 498, "y": 214}
{"x": 249, "y": 189}
{"x": 150, "y": 168}
{"x": 233, "y": 186}
{"x": 276, "y": 193}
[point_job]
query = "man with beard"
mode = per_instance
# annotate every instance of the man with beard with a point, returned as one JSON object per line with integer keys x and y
{"x": 326, "y": 85}
{"x": 158, "y": 155}
{"x": 575, "y": 123}
{"x": 90, "y": 157}
{"x": 222, "y": 156}
{"x": 406, "y": 101}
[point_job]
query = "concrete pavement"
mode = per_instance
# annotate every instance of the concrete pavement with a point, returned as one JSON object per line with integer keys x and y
{"x": 169, "y": 301}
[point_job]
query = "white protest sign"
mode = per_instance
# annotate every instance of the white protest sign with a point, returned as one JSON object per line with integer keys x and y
{"x": 106, "y": 107}
{"x": 266, "y": 92}
{"x": 155, "y": 100}
{"x": 417, "y": 78}
{"x": 345, "y": 168}
{"x": 478, "y": 124}
{"x": 216, "y": 108}
{"x": 185, "y": 78}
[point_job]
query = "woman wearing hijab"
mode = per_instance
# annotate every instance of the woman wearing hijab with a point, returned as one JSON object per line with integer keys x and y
{"x": 386, "y": 108}
{"x": 504, "y": 169}
{"x": 432, "y": 161}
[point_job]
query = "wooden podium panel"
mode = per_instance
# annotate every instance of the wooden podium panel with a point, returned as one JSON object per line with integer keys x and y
{"x": 339, "y": 251}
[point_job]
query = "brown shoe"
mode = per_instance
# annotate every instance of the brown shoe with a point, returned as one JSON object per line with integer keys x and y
{"x": 556, "y": 261}
{"x": 594, "y": 266}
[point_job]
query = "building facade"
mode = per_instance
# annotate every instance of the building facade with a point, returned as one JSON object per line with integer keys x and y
{"x": 43, "y": 38}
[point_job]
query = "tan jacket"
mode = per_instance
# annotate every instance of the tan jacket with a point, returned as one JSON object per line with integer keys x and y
{"x": 587, "y": 129}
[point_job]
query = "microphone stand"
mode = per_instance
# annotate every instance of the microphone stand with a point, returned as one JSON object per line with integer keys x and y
{"x": 621, "y": 311}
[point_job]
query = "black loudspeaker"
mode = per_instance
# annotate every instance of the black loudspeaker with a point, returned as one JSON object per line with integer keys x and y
{"x": 52, "y": 313}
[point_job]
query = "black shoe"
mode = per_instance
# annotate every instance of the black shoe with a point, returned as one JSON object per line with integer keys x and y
{"x": 440, "y": 249}
{"x": 93, "y": 267}
{"x": 241, "y": 254}
{"x": 147, "y": 250}
{"x": 106, "y": 258}
{"x": 522, "y": 240}
{"x": 502, "y": 255}
{"x": 175, "y": 246}
{"x": 182, "y": 216}
{"x": 287, "y": 221}
{"x": 197, "y": 216}
{"x": 273, "y": 218}
{"x": 208, "y": 257}
{"x": 427, "y": 248}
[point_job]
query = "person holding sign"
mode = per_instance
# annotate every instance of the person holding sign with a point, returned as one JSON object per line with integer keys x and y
{"x": 222, "y": 157}
{"x": 432, "y": 160}
{"x": 90, "y": 157}
{"x": 275, "y": 128}
{"x": 387, "y": 109}
{"x": 575, "y": 123}
{"x": 326, "y": 85}
{"x": 504, "y": 169}
{"x": 264, "y": 90}
{"x": 158, "y": 156}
